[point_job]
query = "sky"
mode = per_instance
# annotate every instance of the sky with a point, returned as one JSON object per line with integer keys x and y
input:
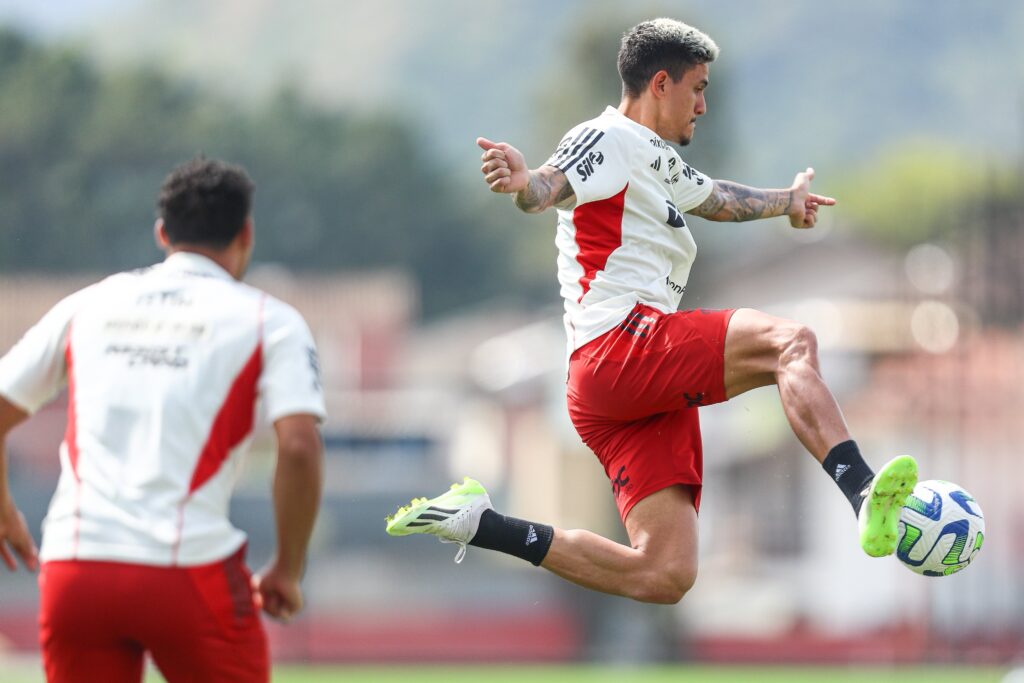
{"x": 57, "y": 17}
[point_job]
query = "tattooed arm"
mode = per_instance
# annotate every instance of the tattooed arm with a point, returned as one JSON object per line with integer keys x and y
{"x": 505, "y": 171}
{"x": 731, "y": 201}
{"x": 547, "y": 187}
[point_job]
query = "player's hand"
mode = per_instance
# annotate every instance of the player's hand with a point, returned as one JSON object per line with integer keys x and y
{"x": 277, "y": 592}
{"x": 14, "y": 536}
{"x": 803, "y": 209}
{"x": 504, "y": 167}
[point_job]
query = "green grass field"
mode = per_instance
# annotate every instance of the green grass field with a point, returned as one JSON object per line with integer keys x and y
{"x": 24, "y": 673}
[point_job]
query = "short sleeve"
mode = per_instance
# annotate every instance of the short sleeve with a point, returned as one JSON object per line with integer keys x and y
{"x": 34, "y": 371}
{"x": 691, "y": 187}
{"x": 290, "y": 381}
{"x": 596, "y": 162}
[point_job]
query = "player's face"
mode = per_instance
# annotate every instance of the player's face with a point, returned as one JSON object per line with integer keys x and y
{"x": 685, "y": 102}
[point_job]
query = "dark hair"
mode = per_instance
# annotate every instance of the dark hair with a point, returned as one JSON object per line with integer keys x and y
{"x": 206, "y": 202}
{"x": 658, "y": 44}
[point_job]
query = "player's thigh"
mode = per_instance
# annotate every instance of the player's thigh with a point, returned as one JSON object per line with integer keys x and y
{"x": 237, "y": 656}
{"x": 82, "y": 625}
{"x": 664, "y": 526}
{"x": 754, "y": 343}
{"x": 67, "y": 662}
{"x": 206, "y": 627}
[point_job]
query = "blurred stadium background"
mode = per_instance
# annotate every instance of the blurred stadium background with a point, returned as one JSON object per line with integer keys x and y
{"x": 435, "y": 304}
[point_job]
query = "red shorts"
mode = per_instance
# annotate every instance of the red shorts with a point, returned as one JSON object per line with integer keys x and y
{"x": 98, "y": 619}
{"x": 633, "y": 395}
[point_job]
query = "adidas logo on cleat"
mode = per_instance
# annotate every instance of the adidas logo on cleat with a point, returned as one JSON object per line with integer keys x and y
{"x": 841, "y": 470}
{"x": 531, "y": 535}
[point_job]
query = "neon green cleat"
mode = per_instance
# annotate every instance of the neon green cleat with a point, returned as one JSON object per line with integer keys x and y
{"x": 453, "y": 517}
{"x": 884, "y": 498}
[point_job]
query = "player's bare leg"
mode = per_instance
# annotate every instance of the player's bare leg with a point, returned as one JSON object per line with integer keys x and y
{"x": 661, "y": 565}
{"x": 760, "y": 350}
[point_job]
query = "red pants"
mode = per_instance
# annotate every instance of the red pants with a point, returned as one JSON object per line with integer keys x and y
{"x": 98, "y": 619}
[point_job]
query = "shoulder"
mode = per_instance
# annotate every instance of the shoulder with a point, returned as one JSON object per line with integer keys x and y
{"x": 596, "y": 142}
{"x": 281, "y": 319}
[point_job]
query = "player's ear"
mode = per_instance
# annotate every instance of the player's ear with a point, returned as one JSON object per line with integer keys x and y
{"x": 160, "y": 234}
{"x": 659, "y": 84}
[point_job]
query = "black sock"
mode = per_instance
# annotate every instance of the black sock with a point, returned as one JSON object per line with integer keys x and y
{"x": 527, "y": 540}
{"x": 848, "y": 469}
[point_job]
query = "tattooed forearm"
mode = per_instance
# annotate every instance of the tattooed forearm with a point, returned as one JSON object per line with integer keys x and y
{"x": 730, "y": 201}
{"x": 548, "y": 187}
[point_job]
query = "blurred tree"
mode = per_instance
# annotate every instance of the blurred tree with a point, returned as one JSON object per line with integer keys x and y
{"x": 918, "y": 190}
{"x": 587, "y": 80}
{"x": 82, "y": 154}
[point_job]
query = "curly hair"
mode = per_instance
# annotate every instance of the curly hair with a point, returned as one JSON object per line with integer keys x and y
{"x": 658, "y": 44}
{"x": 205, "y": 202}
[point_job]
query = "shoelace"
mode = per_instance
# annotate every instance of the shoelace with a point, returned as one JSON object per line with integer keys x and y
{"x": 457, "y": 524}
{"x": 462, "y": 549}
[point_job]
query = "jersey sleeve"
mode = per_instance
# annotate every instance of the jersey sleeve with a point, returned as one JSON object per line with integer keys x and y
{"x": 290, "y": 381}
{"x": 596, "y": 162}
{"x": 34, "y": 371}
{"x": 692, "y": 187}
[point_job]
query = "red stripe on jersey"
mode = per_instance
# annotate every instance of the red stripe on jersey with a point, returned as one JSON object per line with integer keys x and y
{"x": 71, "y": 433}
{"x": 233, "y": 423}
{"x": 598, "y": 234}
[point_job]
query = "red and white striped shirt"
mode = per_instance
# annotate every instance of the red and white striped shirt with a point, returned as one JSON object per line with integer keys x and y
{"x": 164, "y": 367}
{"x": 625, "y": 241}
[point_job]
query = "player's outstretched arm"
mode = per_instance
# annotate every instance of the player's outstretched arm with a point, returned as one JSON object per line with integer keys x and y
{"x": 298, "y": 481}
{"x": 731, "y": 201}
{"x": 14, "y": 534}
{"x": 505, "y": 171}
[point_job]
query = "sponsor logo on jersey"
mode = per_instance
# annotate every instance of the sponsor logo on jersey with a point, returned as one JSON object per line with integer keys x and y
{"x": 690, "y": 173}
{"x": 572, "y": 151}
{"x": 659, "y": 143}
{"x": 171, "y": 297}
{"x": 675, "y": 287}
{"x": 657, "y": 164}
{"x": 314, "y": 365}
{"x": 675, "y": 218}
{"x": 587, "y": 166}
{"x": 173, "y": 357}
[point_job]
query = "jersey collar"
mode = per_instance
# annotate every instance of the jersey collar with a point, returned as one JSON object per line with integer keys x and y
{"x": 614, "y": 112}
{"x": 191, "y": 262}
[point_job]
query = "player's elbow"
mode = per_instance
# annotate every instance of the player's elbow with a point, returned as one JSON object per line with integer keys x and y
{"x": 666, "y": 585}
{"x": 529, "y": 206}
{"x": 300, "y": 447}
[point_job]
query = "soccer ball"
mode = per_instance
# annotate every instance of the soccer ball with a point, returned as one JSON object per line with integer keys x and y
{"x": 941, "y": 529}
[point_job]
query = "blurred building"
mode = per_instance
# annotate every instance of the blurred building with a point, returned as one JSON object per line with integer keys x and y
{"x": 925, "y": 351}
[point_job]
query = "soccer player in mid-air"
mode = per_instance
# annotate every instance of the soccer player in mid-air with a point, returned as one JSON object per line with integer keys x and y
{"x": 639, "y": 369}
{"x": 164, "y": 368}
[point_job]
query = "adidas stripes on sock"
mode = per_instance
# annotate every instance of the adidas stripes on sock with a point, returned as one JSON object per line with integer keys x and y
{"x": 527, "y": 540}
{"x": 849, "y": 471}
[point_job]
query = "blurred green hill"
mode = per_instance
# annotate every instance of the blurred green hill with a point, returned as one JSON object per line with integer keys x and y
{"x": 357, "y": 120}
{"x": 805, "y": 82}
{"x": 83, "y": 152}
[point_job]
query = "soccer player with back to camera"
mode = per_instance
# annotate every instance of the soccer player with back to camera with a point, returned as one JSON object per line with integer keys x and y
{"x": 638, "y": 368}
{"x": 164, "y": 368}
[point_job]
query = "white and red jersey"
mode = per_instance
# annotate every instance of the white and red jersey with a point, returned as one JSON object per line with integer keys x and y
{"x": 625, "y": 242}
{"x": 164, "y": 368}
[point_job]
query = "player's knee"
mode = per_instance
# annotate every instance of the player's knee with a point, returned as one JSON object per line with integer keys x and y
{"x": 667, "y": 584}
{"x": 797, "y": 343}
